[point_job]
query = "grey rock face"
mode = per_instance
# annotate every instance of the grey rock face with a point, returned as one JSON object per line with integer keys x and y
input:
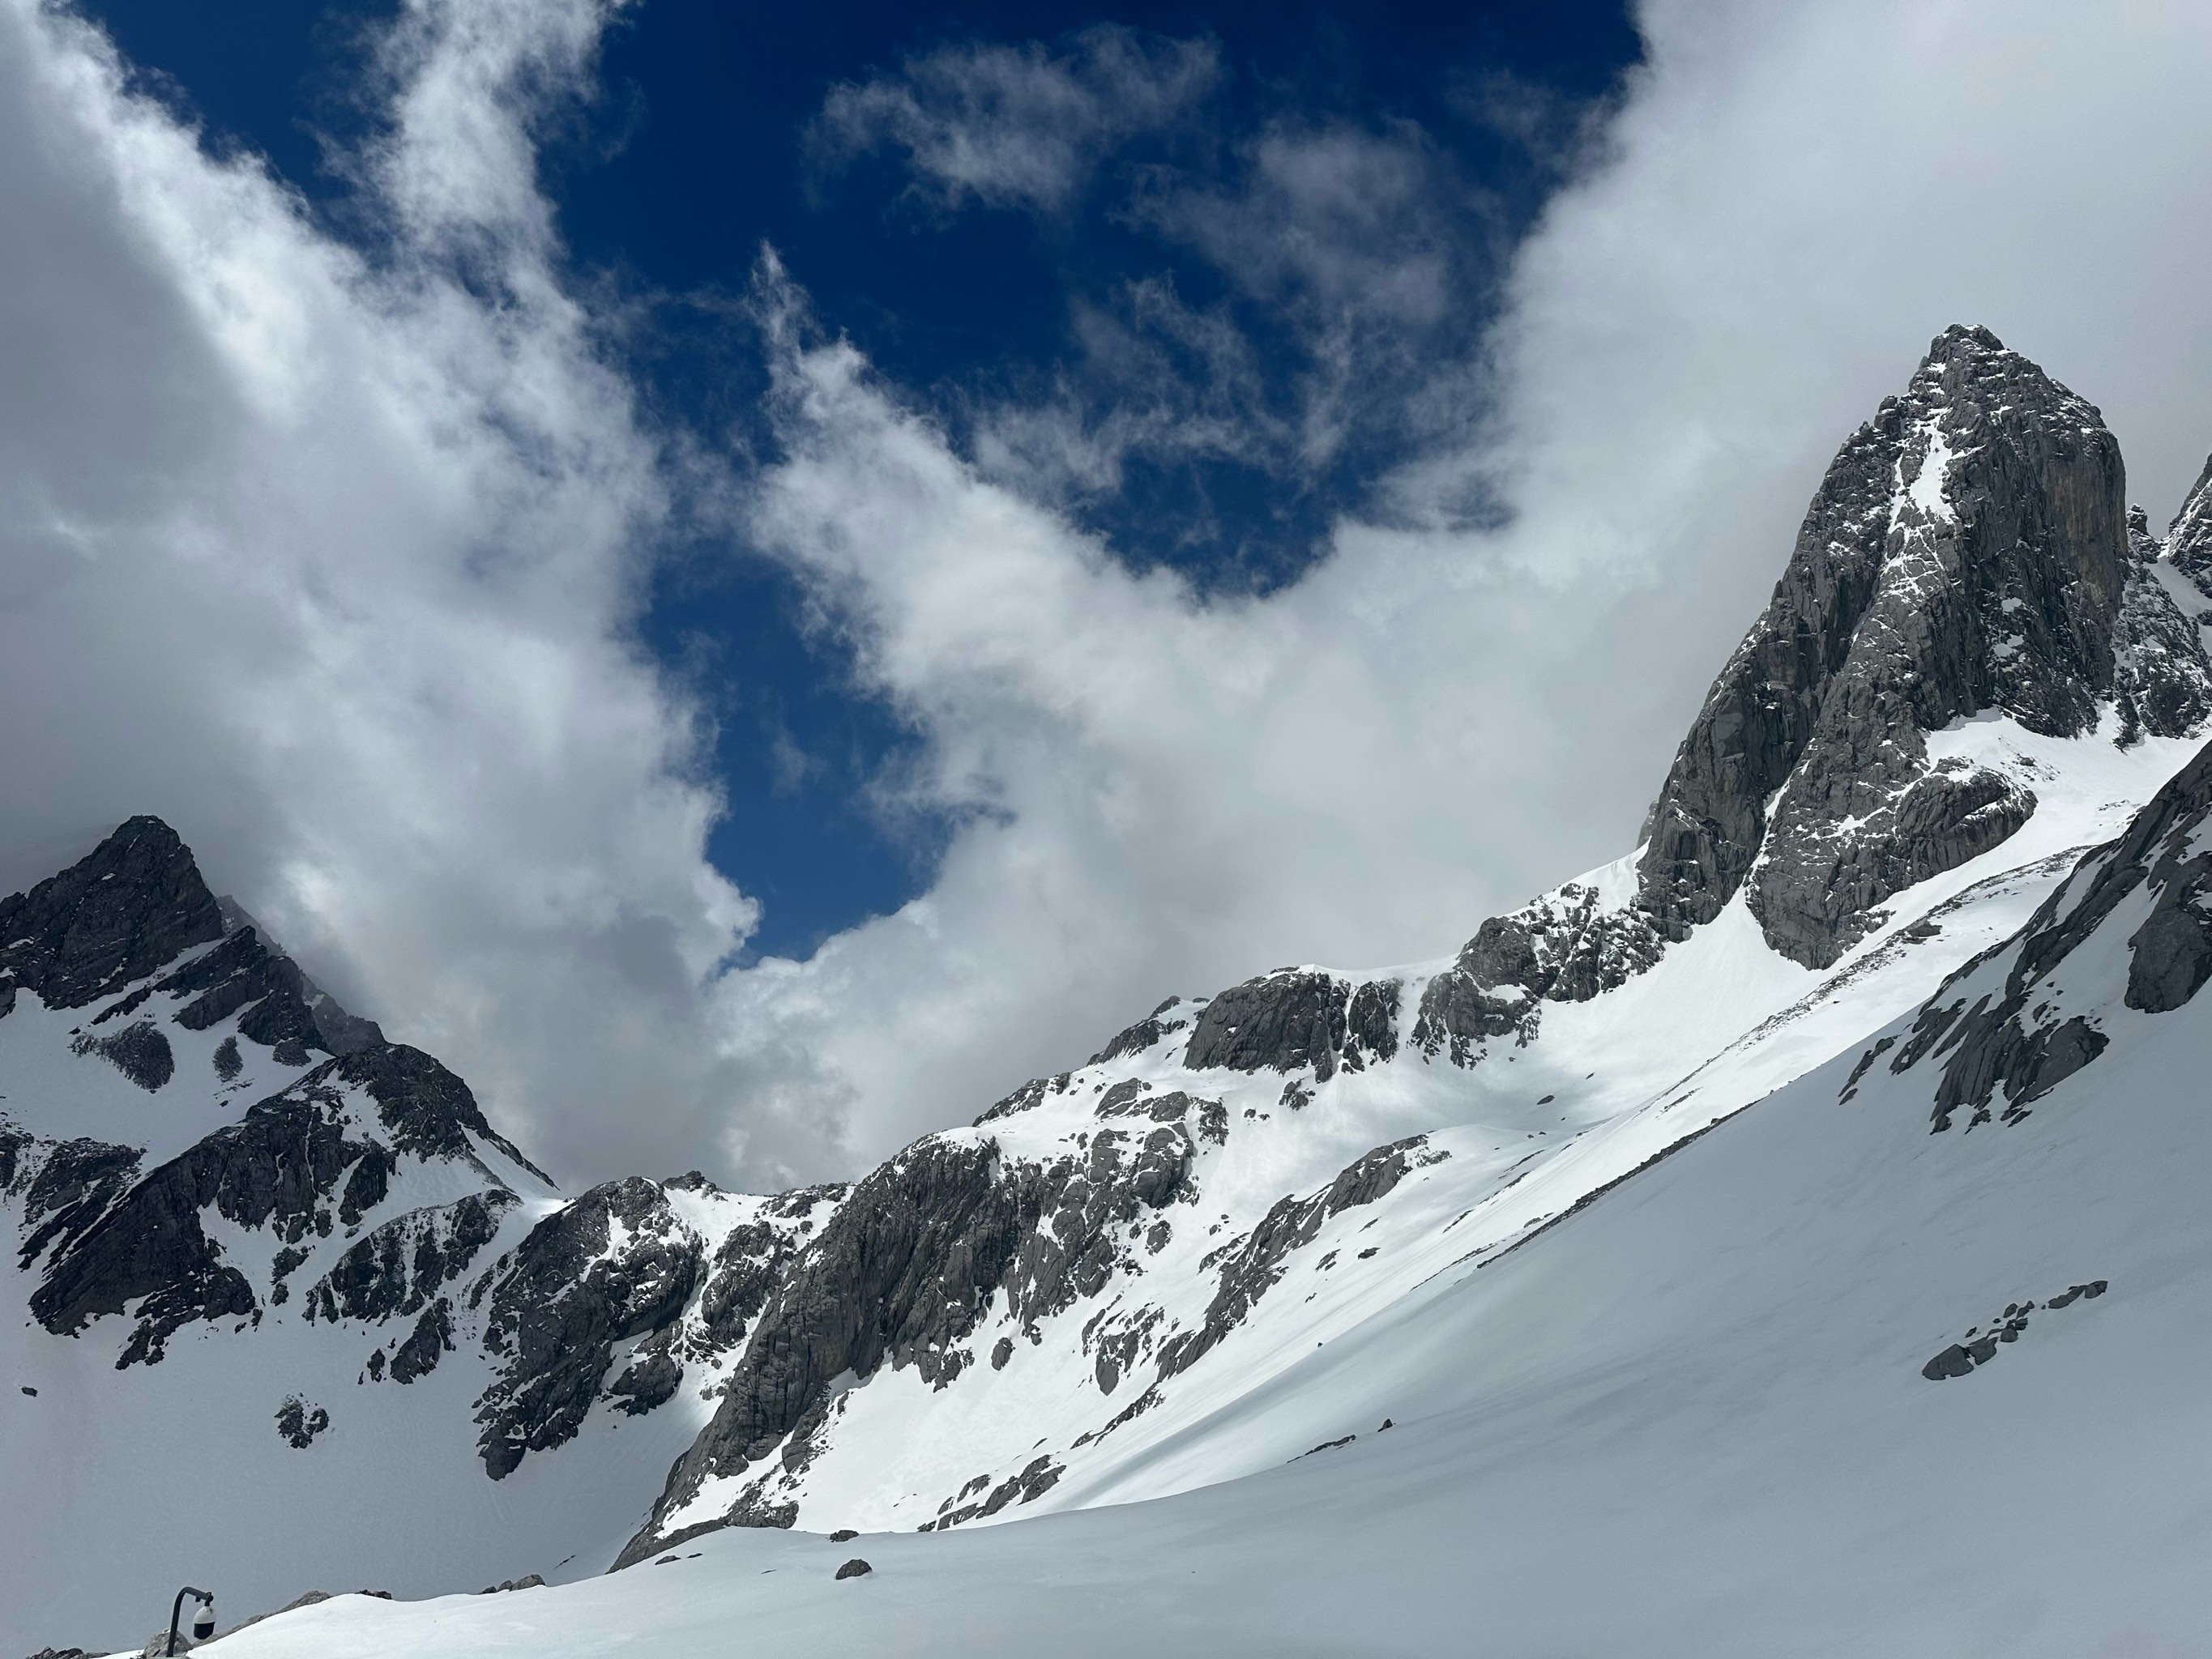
{"x": 396, "y": 1269}
{"x": 428, "y": 1111}
{"x": 1030, "y": 1094}
{"x": 568, "y": 1300}
{"x": 2015, "y": 1032}
{"x": 127, "y": 910}
{"x": 293, "y": 1165}
{"x": 279, "y": 1168}
{"x": 900, "y": 1273}
{"x": 69, "y": 1189}
{"x": 132, "y": 905}
{"x": 2189, "y": 538}
{"x": 432, "y": 1335}
{"x": 1968, "y": 551}
{"x": 2160, "y": 674}
{"x": 753, "y": 1260}
{"x": 1289, "y": 1020}
{"x": 243, "y": 973}
{"x": 1564, "y": 947}
{"x": 1144, "y": 1034}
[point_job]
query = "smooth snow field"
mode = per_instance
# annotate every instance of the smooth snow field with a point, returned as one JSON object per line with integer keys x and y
{"x": 1689, "y": 1419}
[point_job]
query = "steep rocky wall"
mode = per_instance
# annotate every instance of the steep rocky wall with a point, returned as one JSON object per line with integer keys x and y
{"x": 1967, "y": 549}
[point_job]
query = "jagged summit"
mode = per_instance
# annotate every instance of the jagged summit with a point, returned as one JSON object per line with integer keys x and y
{"x": 137, "y": 904}
{"x": 1967, "y": 551}
{"x": 133, "y": 903}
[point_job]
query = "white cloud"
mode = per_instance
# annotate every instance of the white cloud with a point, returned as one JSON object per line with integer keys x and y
{"x": 1015, "y": 126}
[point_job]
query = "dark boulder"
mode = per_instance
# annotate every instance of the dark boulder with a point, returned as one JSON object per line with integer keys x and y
{"x": 1952, "y": 1362}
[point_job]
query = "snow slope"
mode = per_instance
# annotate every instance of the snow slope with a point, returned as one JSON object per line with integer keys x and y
{"x": 1719, "y": 1023}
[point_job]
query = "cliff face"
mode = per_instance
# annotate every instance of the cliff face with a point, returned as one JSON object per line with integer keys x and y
{"x": 1967, "y": 552}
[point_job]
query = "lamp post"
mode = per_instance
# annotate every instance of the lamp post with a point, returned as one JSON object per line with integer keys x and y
{"x": 203, "y": 1616}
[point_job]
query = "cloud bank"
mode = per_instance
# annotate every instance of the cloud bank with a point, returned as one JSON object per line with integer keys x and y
{"x": 334, "y": 558}
{"x": 331, "y": 560}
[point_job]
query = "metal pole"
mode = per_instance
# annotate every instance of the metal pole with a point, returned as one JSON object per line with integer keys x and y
{"x": 177, "y": 1607}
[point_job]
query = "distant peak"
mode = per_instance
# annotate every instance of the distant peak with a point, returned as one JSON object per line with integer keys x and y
{"x": 1956, "y": 339}
{"x": 133, "y": 903}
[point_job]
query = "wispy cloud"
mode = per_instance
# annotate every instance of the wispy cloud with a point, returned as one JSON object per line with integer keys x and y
{"x": 1015, "y": 126}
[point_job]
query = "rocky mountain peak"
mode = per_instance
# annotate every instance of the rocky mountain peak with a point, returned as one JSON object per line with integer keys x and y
{"x": 1968, "y": 550}
{"x": 133, "y": 903}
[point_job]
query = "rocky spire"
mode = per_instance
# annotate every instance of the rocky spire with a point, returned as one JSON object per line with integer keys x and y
{"x": 132, "y": 904}
{"x": 1968, "y": 550}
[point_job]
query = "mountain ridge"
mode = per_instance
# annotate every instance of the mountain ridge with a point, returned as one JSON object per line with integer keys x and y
{"x": 1975, "y": 667}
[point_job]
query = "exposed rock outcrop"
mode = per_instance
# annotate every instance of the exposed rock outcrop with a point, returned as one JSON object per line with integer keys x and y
{"x": 132, "y": 905}
{"x": 2158, "y": 676}
{"x": 2004, "y": 1021}
{"x": 1253, "y": 1264}
{"x": 613, "y": 1264}
{"x": 1294, "y": 1019}
{"x": 900, "y": 1275}
{"x": 1968, "y": 551}
{"x": 295, "y": 1165}
{"x": 396, "y": 1269}
{"x": 1146, "y": 1033}
{"x": 1566, "y": 946}
{"x": 2189, "y": 538}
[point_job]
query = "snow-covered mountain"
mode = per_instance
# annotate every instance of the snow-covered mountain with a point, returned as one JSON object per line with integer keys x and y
{"x": 287, "y": 1297}
{"x": 1929, "y": 858}
{"x": 1830, "y": 1379}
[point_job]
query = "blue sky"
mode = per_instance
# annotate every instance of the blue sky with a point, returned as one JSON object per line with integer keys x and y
{"x": 706, "y": 137}
{"x": 751, "y": 583}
